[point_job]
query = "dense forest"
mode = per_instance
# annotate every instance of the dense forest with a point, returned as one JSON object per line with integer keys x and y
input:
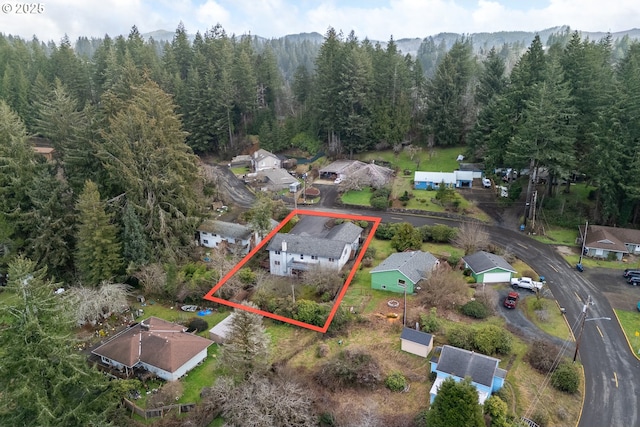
{"x": 126, "y": 121}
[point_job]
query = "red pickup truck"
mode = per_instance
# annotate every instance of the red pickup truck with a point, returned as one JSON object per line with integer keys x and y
{"x": 511, "y": 301}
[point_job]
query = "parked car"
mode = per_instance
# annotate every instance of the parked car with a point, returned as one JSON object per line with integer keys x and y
{"x": 511, "y": 301}
{"x": 337, "y": 181}
{"x": 635, "y": 280}
{"x": 527, "y": 283}
{"x": 631, "y": 271}
{"x": 486, "y": 182}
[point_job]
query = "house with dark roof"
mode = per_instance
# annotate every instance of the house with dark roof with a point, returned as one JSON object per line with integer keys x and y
{"x": 488, "y": 268}
{"x": 340, "y": 169}
{"x": 295, "y": 252}
{"x": 276, "y": 179}
{"x": 416, "y": 342}
{"x": 263, "y": 160}
{"x": 401, "y": 271}
{"x": 457, "y": 363}
{"x": 602, "y": 241}
{"x": 158, "y": 346}
{"x": 232, "y": 236}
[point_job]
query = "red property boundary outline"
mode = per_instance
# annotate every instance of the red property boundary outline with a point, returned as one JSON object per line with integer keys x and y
{"x": 375, "y": 220}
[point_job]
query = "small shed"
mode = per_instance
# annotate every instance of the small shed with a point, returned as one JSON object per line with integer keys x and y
{"x": 219, "y": 333}
{"x": 416, "y": 342}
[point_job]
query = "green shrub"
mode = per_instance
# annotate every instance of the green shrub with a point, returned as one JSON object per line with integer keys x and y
{"x": 491, "y": 339}
{"x": 396, "y": 382}
{"x": 379, "y": 203}
{"x": 197, "y": 324}
{"x": 462, "y": 337}
{"x": 430, "y": 322}
{"x": 247, "y": 276}
{"x": 470, "y": 280}
{"x": 386, "y": 231}
{"x": 453, "y": 260}
{"x": 476, "y": 309}
{"x": 566, "y": 377}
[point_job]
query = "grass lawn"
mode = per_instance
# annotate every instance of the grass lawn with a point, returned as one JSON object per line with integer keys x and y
{"x": 360, "y": 198}
{"x": 630, "y": 322}
{"x": 199, "y": 377}
{"x": 558, "y": 236}
{"x": 592, "y": 263}
{"x": 241, "y": 170}
{"x": 550, "y": 320}
{"x": 442, "y": 160}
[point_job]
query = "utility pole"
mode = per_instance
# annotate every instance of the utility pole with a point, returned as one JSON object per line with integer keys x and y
{"x": 584, "y": 241}
{"x": 584, "y": 319}
{"x": 533, "y": 210}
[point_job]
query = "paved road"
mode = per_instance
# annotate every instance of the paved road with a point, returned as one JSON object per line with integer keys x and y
{"x": 611, "y": 370}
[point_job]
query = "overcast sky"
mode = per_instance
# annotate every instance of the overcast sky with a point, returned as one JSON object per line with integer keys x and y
{"x": 375, "y": 19}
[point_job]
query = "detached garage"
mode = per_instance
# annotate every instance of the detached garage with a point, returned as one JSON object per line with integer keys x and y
{"x": 488, "y": 268}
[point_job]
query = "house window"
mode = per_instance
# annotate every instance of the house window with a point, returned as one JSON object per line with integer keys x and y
{"x": 276, "y": 262}
{"x": 332, "y": 260}
{"x": 277, "y": 252}
{"x": 401, "y": 282}
{"x": 206, "y": 242}
{"x": 314, "y": 257}
{"x": 301, "y": 256}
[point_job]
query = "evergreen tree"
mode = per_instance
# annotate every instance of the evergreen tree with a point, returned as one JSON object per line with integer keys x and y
{"x": 456, "y": 404}
{"x": 246, "y": 350}
{"x": 44, "y": 381}
{"x": 98, "y": 249}
{"x": 146, "y": 158}
{"x": 135, "y": 243}
{"x": 492, "y": 80}
{"x": 449, "y": 105}
{"x": 49, "y": 225}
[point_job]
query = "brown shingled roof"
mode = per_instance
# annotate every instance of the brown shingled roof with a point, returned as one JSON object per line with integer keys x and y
{"x": 156, "y": 342}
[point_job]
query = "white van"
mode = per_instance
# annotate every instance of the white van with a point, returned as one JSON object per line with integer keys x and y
{"x": 486, "y": 182}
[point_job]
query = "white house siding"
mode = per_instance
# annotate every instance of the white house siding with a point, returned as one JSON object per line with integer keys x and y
{"x": 414, "y": 348}
{"x": 280, "y": 260}
{"x": 180, "y": 372}
{"x": 209, "y": 240}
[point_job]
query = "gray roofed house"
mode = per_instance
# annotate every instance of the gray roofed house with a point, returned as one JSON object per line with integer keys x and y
{"x": 290, "y": 253}
{"x": 458, "y": 363}
{"x": 263, "y": 160}
{"x": 488, "y": 268}
{"x": 277, "y": 179}
{"x": 340, "y": 169}
{"x": 307, "y": 245}
{"x": 213, "y": 234}
{"x": 401, "y": 271}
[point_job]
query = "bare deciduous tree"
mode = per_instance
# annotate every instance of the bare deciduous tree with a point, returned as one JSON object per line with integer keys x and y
{"x": 471, "y": 237}
{"x": 262, "y": 402}
{"x": 443, "y": 289}
{"x": 153, "y": 278}
{"x": 95, "y": 304}
{"x": 326, "y": 280}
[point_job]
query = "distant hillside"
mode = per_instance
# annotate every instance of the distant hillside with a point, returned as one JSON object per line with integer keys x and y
{"x": 411, "y": 45}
